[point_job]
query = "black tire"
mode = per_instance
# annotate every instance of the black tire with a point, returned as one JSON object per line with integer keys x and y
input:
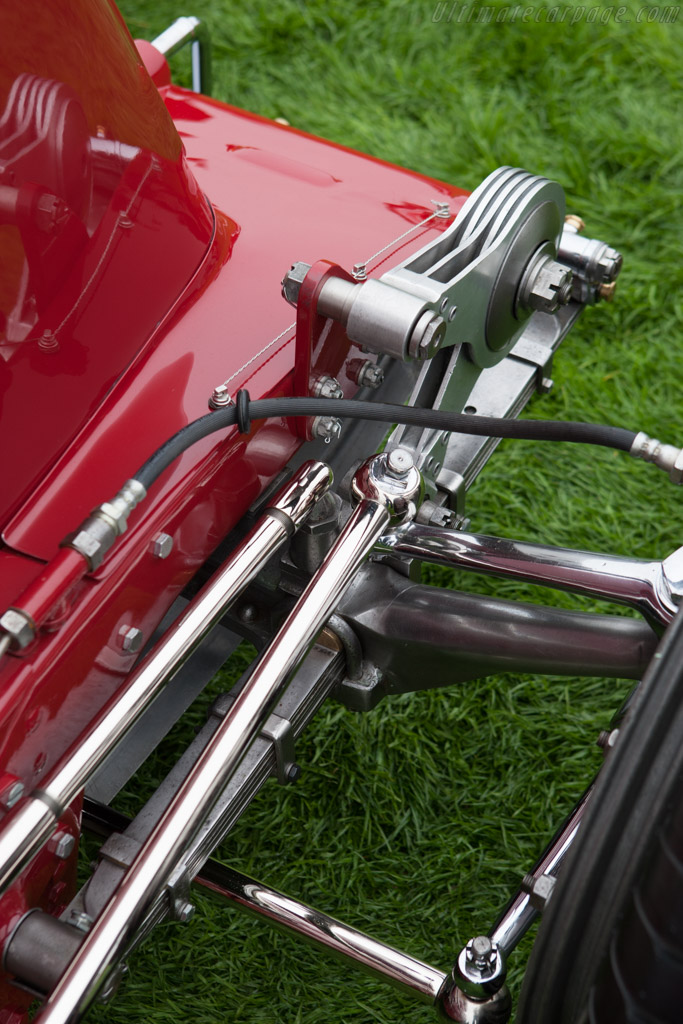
{"x": 610, "y": 946}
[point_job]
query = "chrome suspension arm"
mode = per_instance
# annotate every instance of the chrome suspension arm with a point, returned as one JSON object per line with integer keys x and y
{"x": 28, "y": 827}
{"x": 381, "y": 491}
{"x": 654, "y": 588}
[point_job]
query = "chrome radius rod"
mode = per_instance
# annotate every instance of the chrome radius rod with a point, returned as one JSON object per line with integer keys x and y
{"x": 31, "y": 823}
{"x": 380, "y": 495}
{"x": 290, "y": 916}
{"x": 654, "y": 588}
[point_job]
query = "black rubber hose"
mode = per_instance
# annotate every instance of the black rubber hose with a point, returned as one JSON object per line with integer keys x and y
{"x": 458, "y": 423}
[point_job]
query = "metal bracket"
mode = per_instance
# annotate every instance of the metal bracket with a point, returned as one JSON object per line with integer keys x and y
{"x": 279, "y": 731}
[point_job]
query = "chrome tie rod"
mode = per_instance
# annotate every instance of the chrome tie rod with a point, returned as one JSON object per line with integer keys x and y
{"x": 387, "y": 488}
{"x": 31, "y": 823}
{"x": 654, "y": 588}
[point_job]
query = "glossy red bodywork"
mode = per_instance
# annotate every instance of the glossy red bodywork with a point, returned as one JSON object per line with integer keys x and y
{"x": 172, "y": 294}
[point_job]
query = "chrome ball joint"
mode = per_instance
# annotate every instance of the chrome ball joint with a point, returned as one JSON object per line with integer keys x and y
{"x": 393, "y": 480}
{"x": 475, "y": 992}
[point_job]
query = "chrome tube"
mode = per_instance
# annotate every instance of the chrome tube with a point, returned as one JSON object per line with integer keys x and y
{"x": 519, "y": 915}
{"x": 29, "y": 825}
{"x": 641, "y": 584}
{"x": 177, "y": 827}
{"x": 291, "y": 916}
{"x": 193, "y": 31}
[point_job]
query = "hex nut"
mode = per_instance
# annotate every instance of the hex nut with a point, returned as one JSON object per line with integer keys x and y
{"x": 549, "y": 286}
{"x": 326, "y": 428}
{"x": 11, "y": 793}
{"x": 427, "y": 337}
{"x": 184, "y": 911}
{"x": 327, "y": 387}
{"x": 62, "y": 845}
{"x": 130, "y": 639}
{"x": 292, "y": 281}
{"x": 162, "y": 545}
{"x": 399, "y": 463}
{"x": 19, "y": 628}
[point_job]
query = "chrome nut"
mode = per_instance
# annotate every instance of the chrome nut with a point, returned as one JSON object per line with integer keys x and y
{"x": 427, "y": 337}
{"x": 11, "y": 791}
{"x": 292, "y": 281}
{"x": 162, "y": 545}
{"x": 130, "y": 639}
{"x": 327, "y": 387}
{"x": 19, "y": 628}
{"x": 548, "y": 286}
{"x": 327, "y": 428}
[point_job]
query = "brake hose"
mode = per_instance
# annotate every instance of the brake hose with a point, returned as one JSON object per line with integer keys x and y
{"x": 460, "y": 423}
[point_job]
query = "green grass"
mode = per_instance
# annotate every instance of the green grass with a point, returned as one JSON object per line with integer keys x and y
{"x": 417, "y": 821}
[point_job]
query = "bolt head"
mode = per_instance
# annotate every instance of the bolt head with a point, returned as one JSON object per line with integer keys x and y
{"x": 550, "y": 286}
{"x": 371, "y": 375}
{"x": 399, "y": 463}
{"x": 546, "y": 385}
{"x": 359, "y": 272}
{"x": 19, "y": 627}
{"x": 162, "y": 546}
{"x": 293, "y": 772}
{"x": 184, "y": 911}
{"x": 327, "y": 428}
{"x": 481, "y": 951}
{"x": 327, "y": 387}
{"x": 11, "y": 793}
{"x": 130, "y": 639}
{"x": 62, "y": 845}
{"x": 432, "y": 338}
{"x": 292, "y": 281}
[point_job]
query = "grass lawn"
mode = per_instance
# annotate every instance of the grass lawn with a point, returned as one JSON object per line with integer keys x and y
{"x": 417, "y": 821}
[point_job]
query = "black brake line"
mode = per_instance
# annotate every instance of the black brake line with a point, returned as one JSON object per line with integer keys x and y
{"x": 245, "y": 411}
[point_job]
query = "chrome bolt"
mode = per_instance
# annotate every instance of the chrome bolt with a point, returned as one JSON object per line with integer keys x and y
{"x": 130, "y": 638}
{"x": 540, "y": 889}
{"x": 19, "y": 627}
{"x": 327, "y": 387}
{"x": 546, "y": 385}
{"x": 547, "y": 285}
{"x": 482, "y": 954}
{"x": 370, "y": 375}
{"x": 220, "y": 398}
{"x": 427, "y": 337}
{"x": 327, "y": 428}
{"x": 607, "y": 739}
{"x": 292, "y": 281}
{"x": 610, "y": 264}
{"x": 162, "y": 545}
{"x": 399, "y": 463}
{"x": 11, "y": 794}
{"x": 293, "y": 771}
{"x": 184, "y": 911}
{"x": 62, "y": 845}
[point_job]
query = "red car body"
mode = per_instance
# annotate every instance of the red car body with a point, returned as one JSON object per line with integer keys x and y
{"x": 144, "y": 233}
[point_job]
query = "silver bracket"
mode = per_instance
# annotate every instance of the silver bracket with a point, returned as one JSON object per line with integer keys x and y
{"x": 279, "y": 731}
